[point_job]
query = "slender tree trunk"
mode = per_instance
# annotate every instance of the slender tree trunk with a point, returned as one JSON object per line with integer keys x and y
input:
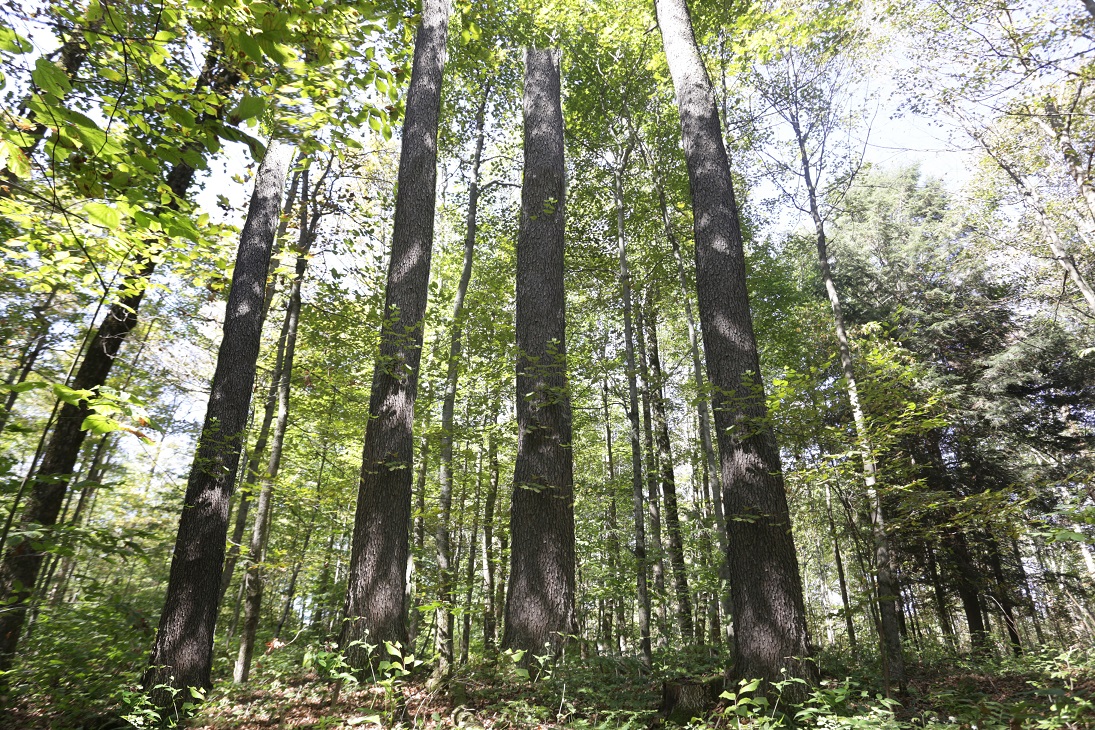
{"x": 612, "y": 523}
{"x": 893, "y": 667}
{"x": 377, "y": 589}
{"x": 489, "y": 502}
{"x": 254, "y": 580}
{"x": 653, "y": 502}
{"x": 183, "y": 654}
{"x": 669, "y": 483}
{"x": 48, "y": 485}
{"x": 540, "y": 612}
{"x": 1027, "y": 591}
{"x": 290, "y": 591}
{"x": 1001, "y": 596}
{"x": 968, "y": 592}
{"x": 849, "y": 623}
{"x": 641, "y": 561}
{"x": 28, "y": 357}
{"x": 1034, "y": 201}
{"x": 765, "y": 585}
{"x": 445, "y": 573}
{"x": 469, "y": 576}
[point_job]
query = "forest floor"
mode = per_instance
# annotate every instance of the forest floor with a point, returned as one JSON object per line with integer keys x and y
{"x": 1042, "y": 692}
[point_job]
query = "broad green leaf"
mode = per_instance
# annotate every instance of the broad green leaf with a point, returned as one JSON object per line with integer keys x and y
{"x": 102, "y": 215}
{"x": 249, "y": 106}
{"x": 50, "y": 78}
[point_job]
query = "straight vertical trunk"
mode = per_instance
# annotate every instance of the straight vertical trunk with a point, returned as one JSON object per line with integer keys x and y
{"x": 540, "y": 612}
{"x": 254, "y": 580}
{"x": 668, "y": 482}
{"x": 489, "y": 628}
{"x": 183, "y": 653}
{"x": 452, "y": 375}
{"x": 641, "y": 567}
{"x": 376, "y": 603}
{"x": 653, "y": 501}
{"x": 893, "y": 661}
{"x": 940, "y": 595}
{"x": 849, "y": 624}
{"x": 765, "y": 585}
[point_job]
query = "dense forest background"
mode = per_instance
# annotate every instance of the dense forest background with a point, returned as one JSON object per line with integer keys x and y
{"x": 233, "y": 231}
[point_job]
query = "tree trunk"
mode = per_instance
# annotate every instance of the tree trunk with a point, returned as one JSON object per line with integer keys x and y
{"x": 290, "y": 592}
{"x": 893, "y": 661}
{"x": 641, "y": 562}
{"x": 712, "y": 484}
{"x": 653, "y": 501}
{"x": 21, "y": 565}
{"x": 444, "y": 569}
{"x": 540, "y": 612}
{"x": 849, "y": 623}
{"x": 489, "y": 502}
{"x": 28, "y": 357}
{"x": 182, "y": 656}
{"x": 669, "y": 482}
{"x": 254, "y": 580}
{"x": 765, "y": 585}
{"x": 376, "y": 602}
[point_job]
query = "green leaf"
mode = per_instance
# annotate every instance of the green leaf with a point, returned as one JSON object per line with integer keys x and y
{"x": 23, "y": 387}
{"x": 70, "y": 395}
{"x": 249, "y": 106}
{"x": 12, "y": 42}
{"x": 14, "y": 160}
{"x": 97, "y": 423}
{"x": 50, "y": 78}
{"x": 103, "y": 215}
{"x": 182, "y": 116}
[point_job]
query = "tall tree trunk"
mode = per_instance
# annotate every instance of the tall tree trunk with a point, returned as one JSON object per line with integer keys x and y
{"x": 290, "y": 591}
{"x": 254, "y": 580}
{"x": 489, "y": 502}
{"x": 612, "y": 523}
{"x": 712, "y": 484}
{"x": 669, "y": 482}
{"x": 967, "y": 582}
{"x": 765, "y": 585}
{"x": 893, "y": 661}
{"x": 849, "y": 623}
{"x": 1001, "y": 596}
{"x": 452, "y": 376}
{"x": 940, "y": 595}
{"x": 653, "y": 502}
{"x": 641, "y": 562}
{"x": 183, "y": 653}
{"x": 48, "y": 485}
{"x": 540, "y": 600}
{"x": 253, "y": 467}
{"x": 377, "y": 588}
{"x": 469, "y": 576}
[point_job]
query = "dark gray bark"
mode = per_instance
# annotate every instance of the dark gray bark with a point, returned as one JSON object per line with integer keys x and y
{"x": 27, "y": 358}
{"x": 765, "y": 585}
{"x": 377, "y": 588}
{"x": 254, "y": 580}
{"x": 540, "y": 611}
{"x": 182, "y": 655}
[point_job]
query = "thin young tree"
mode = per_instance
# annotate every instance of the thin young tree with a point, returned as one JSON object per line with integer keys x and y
{"x": 448, "y": 406}
{"x": 183, "y": 653}
{"x": 376, "y": 592}
{"x": 765, "y": 584}
{"x": 540, "y": 611}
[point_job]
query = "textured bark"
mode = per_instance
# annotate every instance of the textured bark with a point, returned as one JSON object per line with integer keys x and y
{"x": 641, "y": 564}
{"x": 939, "y": 594}
{"x": 668, "y": 483}
{"x": 448, "y": 406}
{"x": 540, "y": 612}
{"x": 183, "y": 653}
{"x": 48, "y": 486}
{"x": 653, "y": 501}
{"x": 712, "y": 484}
{"x": 254, "y": 580}
{"x": 893, "y": 661}
{"x": 377, "y": 588}
{"x": 765, "y": 585}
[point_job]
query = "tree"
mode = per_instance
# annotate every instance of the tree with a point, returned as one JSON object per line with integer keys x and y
{"x": 540, "y": 610}
{"x": 375, "y": 598}
{"x": 766, "y": 589}
{"x": 183, "y": 653}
